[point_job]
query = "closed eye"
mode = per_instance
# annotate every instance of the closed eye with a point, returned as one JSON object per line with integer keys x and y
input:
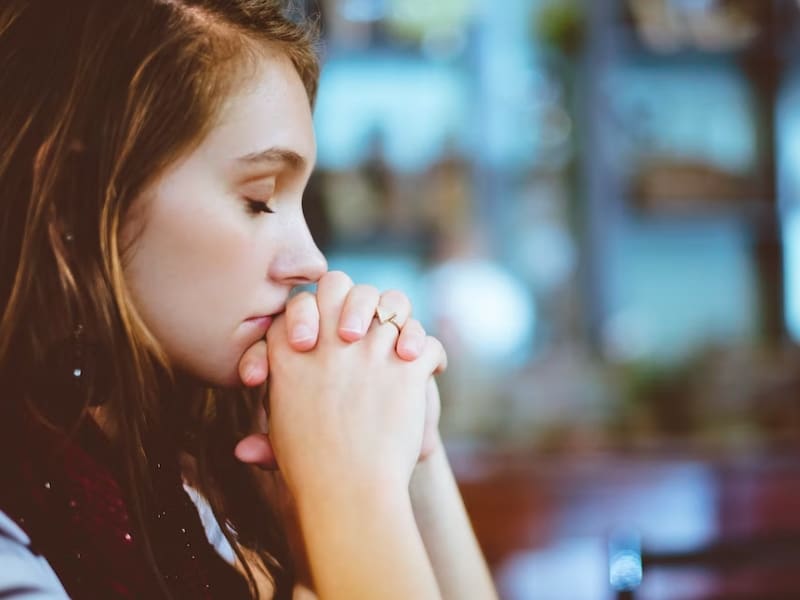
{"x": 258, "y": 207}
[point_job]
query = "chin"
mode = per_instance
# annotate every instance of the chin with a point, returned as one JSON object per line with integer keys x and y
{"x": 215, "y": 377}
{"x": 227, "y": 379}
{"x": 231, "y": 381}
{"x": 220, "y": 369}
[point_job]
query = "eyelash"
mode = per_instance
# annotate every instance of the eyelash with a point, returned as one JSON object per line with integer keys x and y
{"x": 256, "y": 207}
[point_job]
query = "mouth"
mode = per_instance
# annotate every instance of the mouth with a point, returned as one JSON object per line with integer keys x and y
{"x": 261, "y": 322}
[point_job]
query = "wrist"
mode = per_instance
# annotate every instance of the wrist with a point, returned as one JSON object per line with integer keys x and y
{"x": 429, "y": 473}
{"x": 347, "y": 499}
{"x": 356, "y": 543}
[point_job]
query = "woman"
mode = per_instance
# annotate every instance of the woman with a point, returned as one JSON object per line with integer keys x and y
{"x": 154, "y": 154}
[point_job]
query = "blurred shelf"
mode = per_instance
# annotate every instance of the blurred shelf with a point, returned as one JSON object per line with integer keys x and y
{"x": 683, "y": 188}
{"x": 750, "y": 212}
{"x": 628, "y": 44}
{"x": 701, "y": 31}
{"x": 539, "y": 516}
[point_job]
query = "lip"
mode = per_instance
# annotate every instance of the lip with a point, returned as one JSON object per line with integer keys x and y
{"x": 261, "y": 322}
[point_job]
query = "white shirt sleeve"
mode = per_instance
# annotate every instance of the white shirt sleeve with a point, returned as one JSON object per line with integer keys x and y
{"x": 213, "y": 530}
{"x": 23, "y": 574}
{"x": 28, "y": 576}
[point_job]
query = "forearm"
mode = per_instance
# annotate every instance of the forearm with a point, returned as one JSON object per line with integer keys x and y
{"x": 366, "y": 547}
{"x": 458, "y": 563}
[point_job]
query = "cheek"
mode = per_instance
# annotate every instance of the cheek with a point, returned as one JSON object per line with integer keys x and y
{"x": 187, "y": 255}
{"x": 192, "y": 276}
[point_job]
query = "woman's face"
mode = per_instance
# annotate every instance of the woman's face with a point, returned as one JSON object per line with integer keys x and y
{"x": 206, "y": 260}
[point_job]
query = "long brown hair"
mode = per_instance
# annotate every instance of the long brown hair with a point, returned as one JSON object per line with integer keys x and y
{"x": 96, "y": 99}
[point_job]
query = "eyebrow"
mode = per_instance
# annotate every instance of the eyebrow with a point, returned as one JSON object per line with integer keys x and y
{"x": 275, "y": 156}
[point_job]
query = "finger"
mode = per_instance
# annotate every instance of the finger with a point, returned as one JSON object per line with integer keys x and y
{"x": 433, "y": 357}
{"x": 302, "y": 318}
{"x": 357, "y": 313}
{"x": 256, "y": 449}
{"x": 332, "y": 290}
{"x": 411, "y": 341}
{"x": 277, "y": 336}
{"x": 253, "y": 366}
{"x": 395, "y": 303}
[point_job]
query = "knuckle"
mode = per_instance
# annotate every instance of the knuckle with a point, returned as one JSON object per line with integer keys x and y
{"x": 333, "y": 287}
{"x": 412, "y": 327}
{"x": 396, "y": 297}
{"x": 434, "y": 344}
{"x": 365, "y": 294}
{"x": 416, "y": 327}
{"x": 336, "y": 279}
{"x": 369, "y": 290}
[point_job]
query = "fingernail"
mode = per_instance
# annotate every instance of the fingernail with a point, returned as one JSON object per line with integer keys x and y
{"x": 301, "y": 333}
{"x": 353, "y": 324}
{"x": 250, "y": 373}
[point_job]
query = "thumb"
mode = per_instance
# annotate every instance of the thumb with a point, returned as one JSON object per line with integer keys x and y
{"x": 256, "y": 450}
{"x": 253, "y": 367}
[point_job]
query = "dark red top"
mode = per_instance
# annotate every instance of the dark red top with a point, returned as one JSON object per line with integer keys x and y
{"x": 68, "y": 497}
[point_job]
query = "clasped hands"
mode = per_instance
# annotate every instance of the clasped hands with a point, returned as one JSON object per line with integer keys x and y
{"x": 341, "y": 383}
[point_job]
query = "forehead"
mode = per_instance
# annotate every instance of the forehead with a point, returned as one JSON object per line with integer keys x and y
{"x": 268, "y": 108}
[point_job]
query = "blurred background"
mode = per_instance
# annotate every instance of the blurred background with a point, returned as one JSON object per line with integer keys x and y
{"x": 595, "y": 204}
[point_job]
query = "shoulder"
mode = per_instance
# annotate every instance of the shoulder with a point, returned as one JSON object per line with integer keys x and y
{"x": 23, "y": 574}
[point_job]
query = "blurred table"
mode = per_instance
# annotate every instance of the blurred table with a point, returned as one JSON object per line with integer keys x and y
{"x": 544, "y": 521}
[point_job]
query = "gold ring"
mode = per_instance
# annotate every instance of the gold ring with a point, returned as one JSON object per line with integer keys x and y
{"x": 385, "y": 316}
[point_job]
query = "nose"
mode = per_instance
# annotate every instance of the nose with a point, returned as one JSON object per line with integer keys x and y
{"x": 301, "y": 262}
